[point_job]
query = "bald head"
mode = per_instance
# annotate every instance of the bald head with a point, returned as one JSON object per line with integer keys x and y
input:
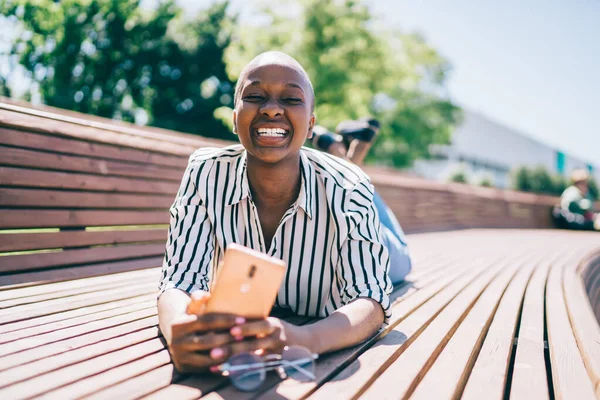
{"x": 271, "y": 58}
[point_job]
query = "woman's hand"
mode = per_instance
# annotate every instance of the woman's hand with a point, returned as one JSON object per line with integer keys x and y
{"x": 271, "y": 335}
{"x": 195, "y": 340}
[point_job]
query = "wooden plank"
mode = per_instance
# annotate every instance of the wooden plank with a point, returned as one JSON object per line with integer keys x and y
{"x": 43, "y": 198}
{"x": 34, "y": 178}
{"x": 58, "y": 275}
{"x": 9, "y": 219}
{"x": 41, "y": 384}
{"x": 49, "y": 160}
{"x": 584, "y": 324}
{"x": 38, "y": 353}
{"x": 29, "y": 279}
{"x": 414, "y": 359}
{"x": 449, "y": 373}
{"x": 53, "y": 337}
{"x": 30, "y": 311}
{"x": 529, "y": 378}
{"x": 55, "y": 240}
{"x": 38, "y": 299}
{"x": 569, "y": 375}
{"x": 64, "y": 318}
{"x": 490, "y": 371}
{"x": 30, "y": 123}
{"x": 82, "y": 283}
{"x": 83, "y": 319}
{"x": 336, "y": 373}
{"x": 122, "y": 373}
{"x": 94, "y": 149}
{"x": 25, "y": 262}
{"x": 61, "y": 360}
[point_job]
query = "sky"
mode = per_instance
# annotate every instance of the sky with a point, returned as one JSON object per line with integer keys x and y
{"x": 531, "y": 65}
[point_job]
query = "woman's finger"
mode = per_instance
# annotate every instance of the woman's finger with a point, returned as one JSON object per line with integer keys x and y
{"x": 202, "y": 341}
{"x": 198, "y": 302}
{"x": 270, "y": 343}
{"x": 259, "y": 328}
{"x": 205, "y": 323}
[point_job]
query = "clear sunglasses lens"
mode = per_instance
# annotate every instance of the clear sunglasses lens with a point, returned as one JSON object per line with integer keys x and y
{"x": 298, "y": 364}
{"x": 251, "y": 376}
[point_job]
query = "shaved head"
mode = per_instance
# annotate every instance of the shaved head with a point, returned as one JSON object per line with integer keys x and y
{"x": 272, "y": 58}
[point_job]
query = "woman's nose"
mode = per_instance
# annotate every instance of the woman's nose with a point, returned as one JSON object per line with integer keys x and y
{"x": 271, "y": 108}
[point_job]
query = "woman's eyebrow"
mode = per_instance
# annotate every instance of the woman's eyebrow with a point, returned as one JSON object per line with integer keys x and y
{"x": 290, "y": 84}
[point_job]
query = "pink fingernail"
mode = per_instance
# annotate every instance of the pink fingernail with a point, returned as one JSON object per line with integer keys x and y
{"x": 238, "y": 338}
{"x": 240, "y": 320}
{"x": 214, "y": 369}
{"x": 236, "y": 331}
{"x": 216, "y": 353}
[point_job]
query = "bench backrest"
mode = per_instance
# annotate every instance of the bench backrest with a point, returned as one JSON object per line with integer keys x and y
{"x": 81, "y": 195}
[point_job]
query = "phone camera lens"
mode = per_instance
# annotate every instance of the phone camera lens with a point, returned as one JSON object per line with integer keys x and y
{"x": 252, "y": 271}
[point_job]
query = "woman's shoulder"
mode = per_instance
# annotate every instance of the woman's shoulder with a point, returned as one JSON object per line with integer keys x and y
{"x": 216, "y": 154}
{"x": 341, "y": 172}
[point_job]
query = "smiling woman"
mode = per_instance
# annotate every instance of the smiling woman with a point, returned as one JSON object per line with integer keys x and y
{"x": 312, "y": 210}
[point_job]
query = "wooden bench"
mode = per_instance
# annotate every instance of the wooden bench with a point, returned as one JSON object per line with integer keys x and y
{"x": 484, "y": 314}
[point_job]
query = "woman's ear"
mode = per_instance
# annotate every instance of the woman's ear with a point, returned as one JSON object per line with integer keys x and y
{"x": 234, "y": 122}
{"x": 311, "y": 125}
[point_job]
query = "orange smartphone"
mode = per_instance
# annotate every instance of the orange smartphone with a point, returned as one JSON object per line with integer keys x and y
{"x": 247, "y": 283}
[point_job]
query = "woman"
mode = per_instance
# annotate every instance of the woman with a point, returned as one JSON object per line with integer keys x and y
{"x": 308, "y": 208}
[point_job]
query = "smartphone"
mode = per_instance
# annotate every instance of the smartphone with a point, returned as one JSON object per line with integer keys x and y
{"x": 246, "y": 284}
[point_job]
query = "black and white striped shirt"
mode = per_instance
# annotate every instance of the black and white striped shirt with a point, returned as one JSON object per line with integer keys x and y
{"x": 330, "y": 237}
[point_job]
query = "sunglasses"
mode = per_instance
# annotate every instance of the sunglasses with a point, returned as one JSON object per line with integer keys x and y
{"x": 248, "y": 371}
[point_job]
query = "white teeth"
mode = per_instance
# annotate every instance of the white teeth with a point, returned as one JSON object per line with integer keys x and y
{"x": 272, "y": 132}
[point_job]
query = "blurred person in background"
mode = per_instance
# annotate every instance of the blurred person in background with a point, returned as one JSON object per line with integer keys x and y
{"x": 576, "y": 209}
{"x": 352, "y": 141}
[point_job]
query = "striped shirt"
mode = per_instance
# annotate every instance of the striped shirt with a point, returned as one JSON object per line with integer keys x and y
{"x": 330, "y": 238}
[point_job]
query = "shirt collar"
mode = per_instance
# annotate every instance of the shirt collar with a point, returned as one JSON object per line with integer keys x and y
{"x": 307, "y": 183}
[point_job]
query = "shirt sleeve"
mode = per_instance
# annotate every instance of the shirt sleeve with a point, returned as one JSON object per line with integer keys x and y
{"x": 190, "y": 245}
{"x": 364, "y": 259}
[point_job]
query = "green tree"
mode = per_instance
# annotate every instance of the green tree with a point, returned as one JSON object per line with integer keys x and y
{"x": 541, "y": 181}
{"x": 358, "y": 71}
{"x": 522, "y": 179}
{"x": 594, "y": 192}
{"x": 114, "y": 59}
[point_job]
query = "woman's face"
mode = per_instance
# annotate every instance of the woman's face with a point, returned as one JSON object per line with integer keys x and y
{"x": 273, "y": 116}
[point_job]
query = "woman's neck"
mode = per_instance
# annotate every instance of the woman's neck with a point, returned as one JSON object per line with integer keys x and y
{"x": 274, "y": 185}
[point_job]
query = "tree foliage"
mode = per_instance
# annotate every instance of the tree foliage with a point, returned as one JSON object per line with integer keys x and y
{"x": 114, "y": 59}
{"x": 539, "y": 180}
{"x": 358, "y": 71}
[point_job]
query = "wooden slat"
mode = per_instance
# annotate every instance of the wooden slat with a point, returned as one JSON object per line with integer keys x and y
{"x": 33, "y": 178}
{"x": 11, "y": 219}
{"x": 72, "y": 322}
{"x": 25, "y": 262}
{"x": 414, "y": 361}
{"x": 489, "y": 374}
{"x": 82, "y": 283}
{"x": 17, "y": 157}
{"x": 77, "y": 342}
{"x": 529, "y": 377}
{"x": 41, "y": 384}
{"x": 569, "y": 375}
{"x": 57, "y": 240}
{"x": 94, "y": 149}
{"x": 585, "y": 326}
{"x": 53, "y": 338}
{"x": 28, "y": 311}
{"x": 38, "y": 299}
{"x": 336, "y": 372}
{"x": 47, "y": 364}
{"x": 448, "y": 375}
{"x": 45, "y": 198}
{"x": 28, "y": 279}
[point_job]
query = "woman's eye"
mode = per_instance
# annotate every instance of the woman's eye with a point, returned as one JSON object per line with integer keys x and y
{"x": 253, "y": 97}
{"x": 293, "y": 100}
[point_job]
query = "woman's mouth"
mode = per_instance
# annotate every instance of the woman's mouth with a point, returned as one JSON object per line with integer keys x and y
{"x": 271, "y": 132}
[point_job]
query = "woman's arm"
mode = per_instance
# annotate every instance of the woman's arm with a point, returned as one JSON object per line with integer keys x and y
{"x": 347, "y": 326}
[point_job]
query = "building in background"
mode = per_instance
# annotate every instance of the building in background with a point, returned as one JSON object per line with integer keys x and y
{"x": 484, "y": 149}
